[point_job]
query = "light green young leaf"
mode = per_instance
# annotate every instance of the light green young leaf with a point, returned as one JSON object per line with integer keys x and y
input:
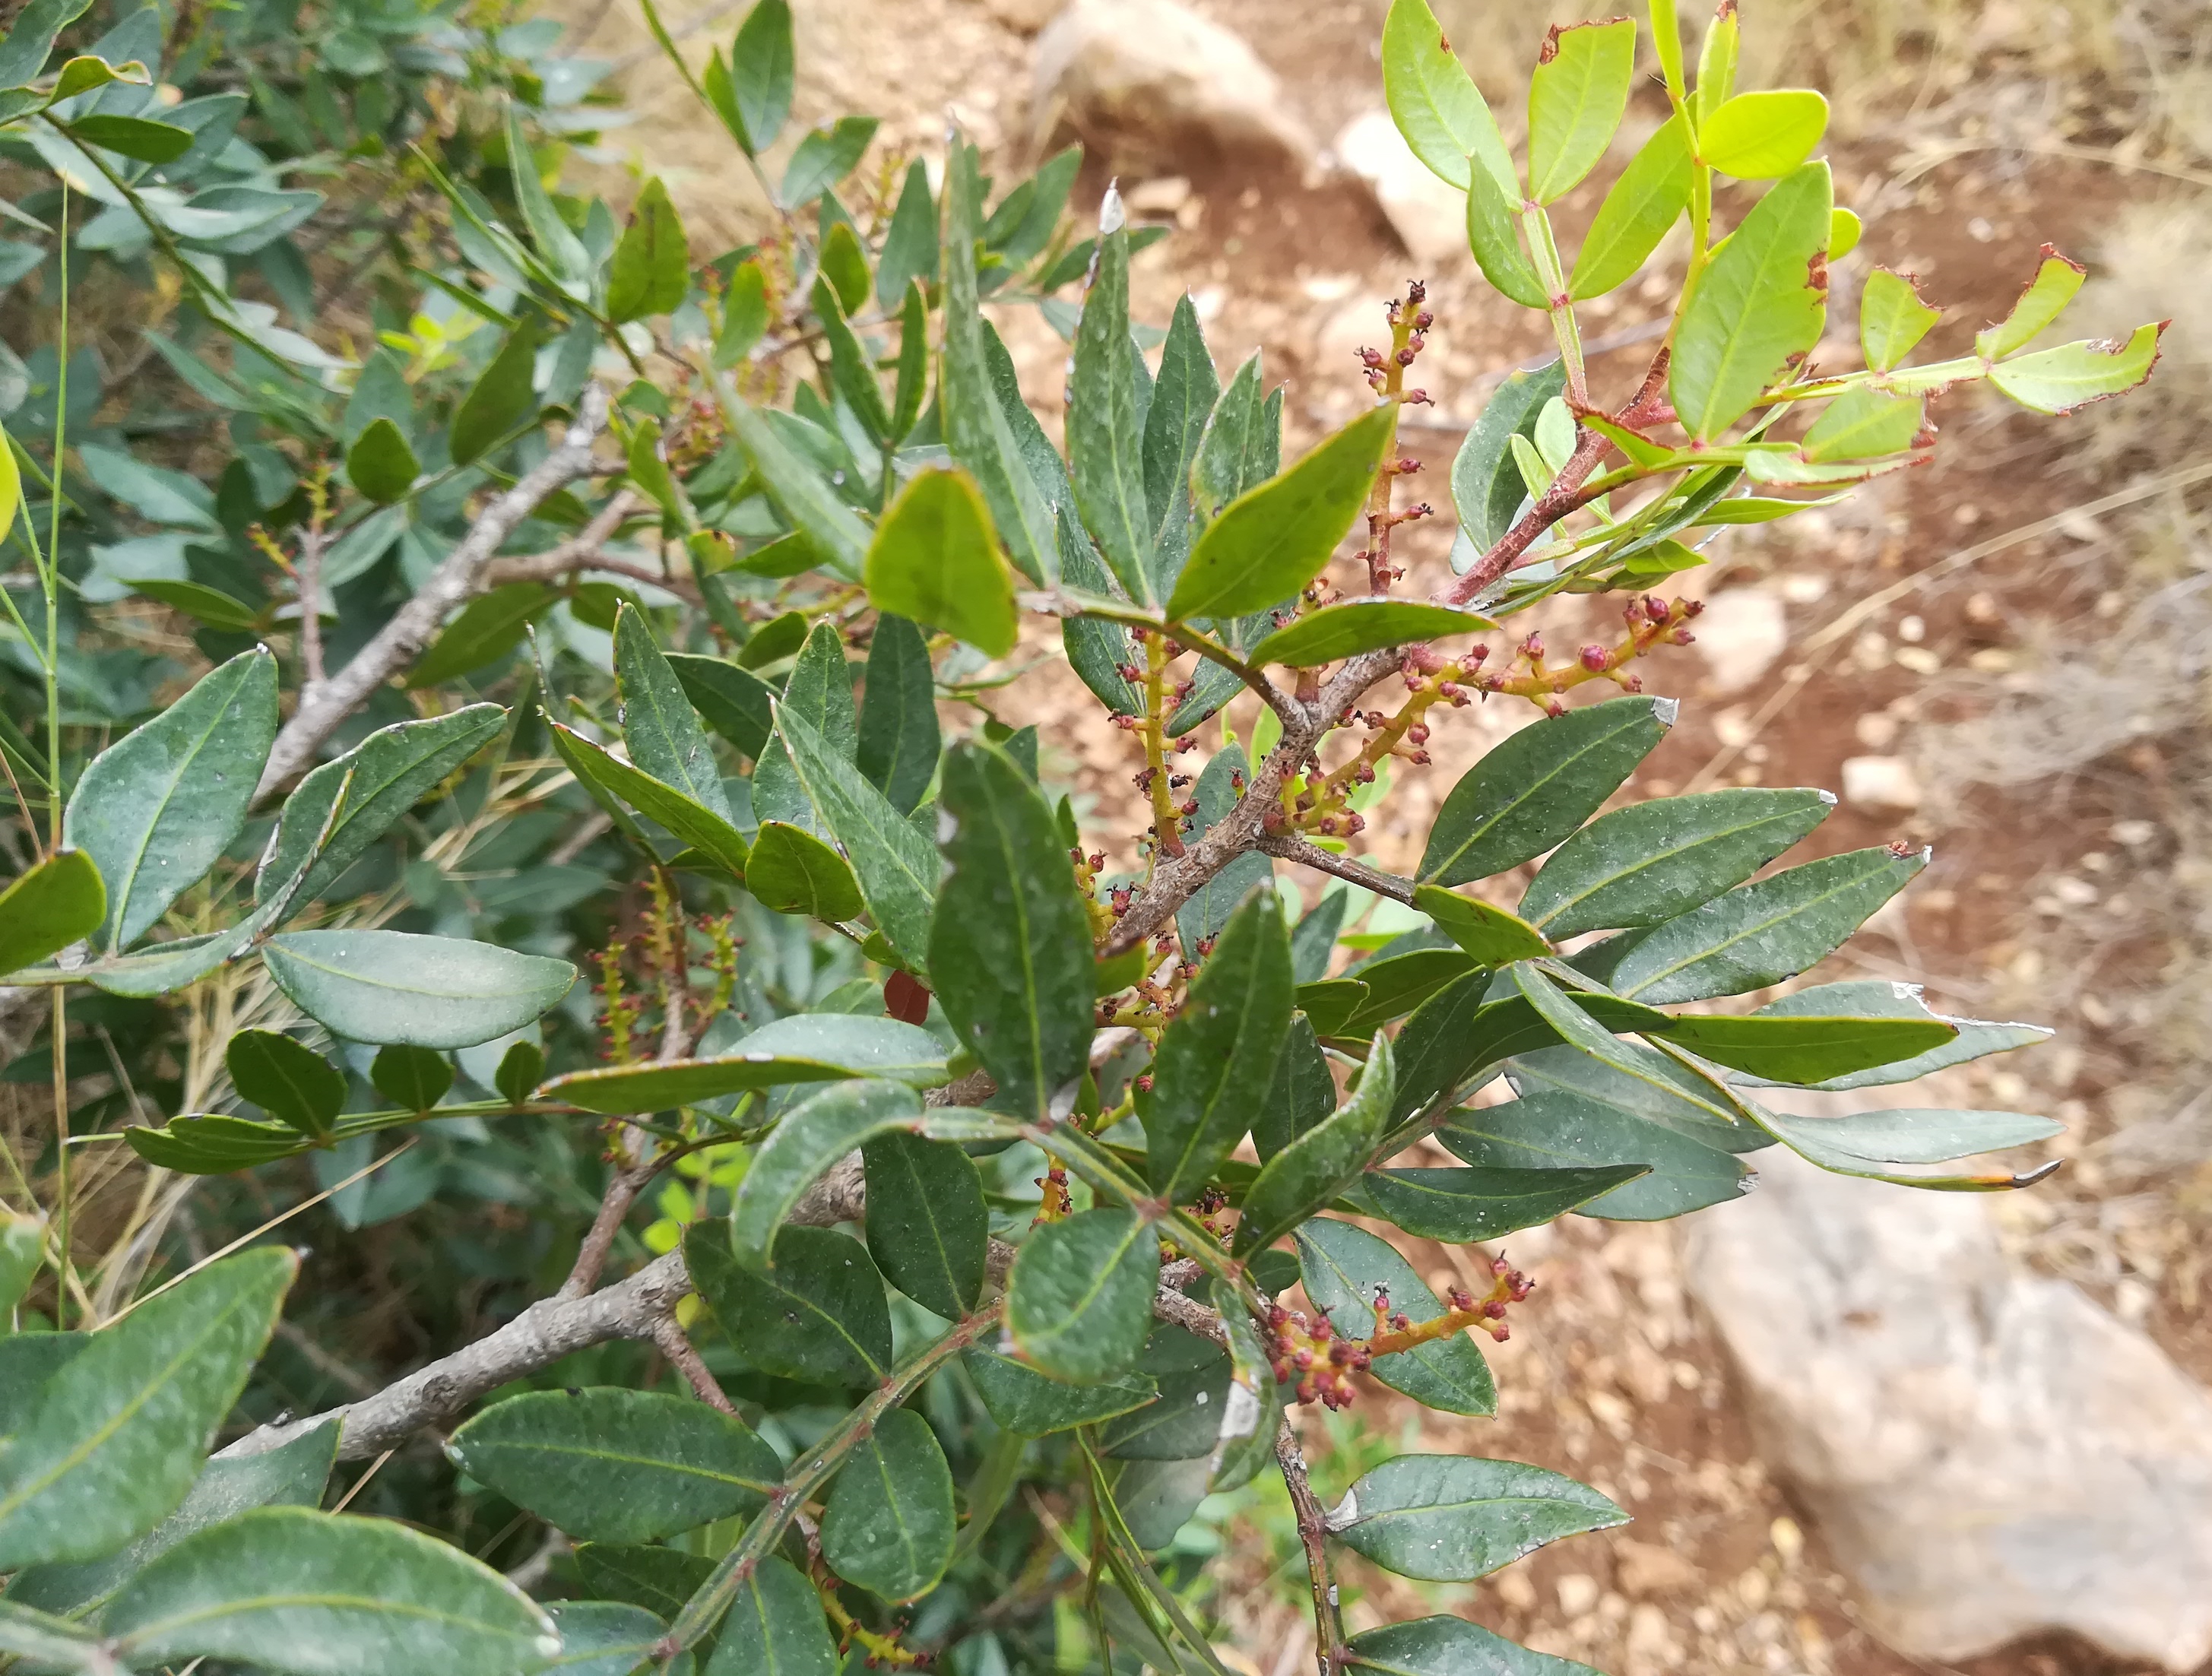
{"x": 1105, "y": 432}
{"x": 1272, "y": 540}
{"x": 1316, "y": 1165}
{"x": 1761, "y": 300}
{"x": 1079, "y": 1299}
{"x": 60, "y": 901}
{"x": 1892, "y": 319}
{"x": 420, "y": 991}
{"x": 2073, "y": 376}
{"x": 935, "y": 560}
{"x": 156, "y": 809}
{"x": 1863, "y": 424}
{"x": 1647, "y": 200}
{"x": 2057, "y": 278}
{"x": 1492, "y": 935}
{"x": 1435, "y": 102}
{"x": 890, "y": 1523}
{"x": 1492, "y": 235}
{"x": 1577, "y": 98}
{"x": 1716, "y": 62}
{"x": 1763, "y": 135}
{"x": 806, "y": 1141}
{"x": 822, "y": 159}
{"x": 1346, "y": 627}
{"x": 1454, "y": 1518}
{"x": 659, "y": 725}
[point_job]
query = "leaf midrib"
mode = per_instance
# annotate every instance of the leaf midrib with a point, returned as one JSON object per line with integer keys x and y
{"x": 169, "y": 796}
{"x": 1654, "y": 859}
{"x": 1434, "y": 875}
{"x": 1758, "y": 928}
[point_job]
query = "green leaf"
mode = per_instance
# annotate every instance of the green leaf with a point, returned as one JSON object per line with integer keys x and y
{"x": 2058, "y": 279}
{"x": 1892, "y": 317}
{"x": 380, "y": 464}
{"x": 22, "y": 1241}
{"x": 60, "y": 901}
{"x": 1454, "y": 1518}
{"x": 652, "y": 267}
{"x": 1184, "y": 1422}
{"x": 1435, "y": 102}
{"x": 607, "y": 1638}
{"x": 806, "y": 1048}
{"x": 648, "y": 465}
{"x": 1540, "y": 786}
{"x": 1851, "y": 1145}
{"x": 909, "y": 250}
{"x": 899, "y": 741}
{"x": 287, "y": 1079}
{"x": 50, "y": 1643}
{"x": 1271, "y": 541}
{"x": 1647, "y": 200}
{"x": 851, "y": 371}
{"x": 913, "y": 377}
{"x": 792, "y": 871}
{"x": 796, "y": 485}
{"x": 372, "y": 785}
{"x": 215, "y": 1145}
{"x": 1316, "y": 1165}
{"x": 290, "y": 1589}
{"x": 819, "y": 1314}
{"x": 761, "y": 73}
{"x": 1219, "y": 787}
{"x": 1183, "y": 400}
{"x": 2074, "y": 374}
{"x": 929, "y": 1229}
{"x": 520, "y": 1069}
{"x": 1863, "y": 424}
{"x": 1845, "y": 229}
{"x": 503, "y": 398}
{"x": 138, "y": 137}
{"x": 1577, "y": 98}
{"x": 1350, "y": 627}
{"x": 1456, "y": 1032}
{"x": 1806, "y": 1049}
{"x": 1025, "y": 1402}
{"x": 613, "y": 782}
{"x": 614, "y": 1465}
{"x": 822, "y": 159}
{"x": 890, "y": 1523}
{"x": 1762, "y": 300}
{"x": 1717, "y": 61}
{"x": 1655, "y": 860}
{"x": 413, "y": 1078}
{"x": 29, "y": 1360}
{"x": 734, "y": 702}
{"x": 1492, "y": 935}
{"x": 744, "y": 313}
{"x": 1486, "y": 488}
{"x": 116, "y": 1435}
{"x": 1217, "y": 1056}
{"x": 896, "y": 866}
{"x": 935, "y": 559}
{"x": 1010, "y": 942}
{"x": 809, "y": 1139}
{"x": 1105, "y": 431}
{"x": 1079, "y": 1299}
{"x": 1878, "y": 998}
{"x": 1343, "y": 1267}
{"x": 1230, "y": 457}
{"x": 1761, "y": 933}
{"x": 155, "y": 810}
{"x": 488, "y": 627}
{"x": 1300, "y": 1094}
{"x": 30, "y": 38}
{"x": 422, "y": 992}
{"x": 1457, "y": 1205}
{"x": 1491, "y": 236}
{"x": 1392, "y": 986}
{"x": 1642, "y": 1081}
{"x": 659, "y": 725}
{"x": 775, "y": 1624}
{"x": 1452, "y": 1647}
{"x": 1763, "y": 135}
{"x": 211, "y": 606}
{"x": 655, "y": 1579}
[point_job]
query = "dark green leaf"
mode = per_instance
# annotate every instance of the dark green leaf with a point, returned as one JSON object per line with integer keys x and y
{"x": 806, "y": 1048}
{"x": 1271, "y": 541}
{"x": 659, "y": 725}
{"x": 1350, "y": 627}
{"x": 521, "y": 1068}
{"x": 812, "y": 1137}
{"x": 211, "y": 606}
{"x": 1105, "y": 432}
{"x": 896, "y": 866}
{"x": 1230, "y": 451}
{"x": 890, "y": 1523}
{"x": 30, "y": 37}
{"x": 651, "y": 266}
{"x": 657, "y": 1580}
{"x": 60, "y": 901}
{"x": 1343, "y": 1267}
{"x": 819, "y": 1314}
{"x": 1322, "y": 1162}
{"x": 1184, "y": 1422}
{"x": 929, "y": 1228}
{"x": 898, "y": 744}
{"x": 133, "y": 136}
{"x": 1217, "y": 1056}
{"x": 607, "y": 1638}
{"x": 822, "y": 159}
{"x": 797, "y": 486}
{"x": 1027, "y": 1403}
{"x": 1300, "y": 1094}
{"x": 116, "y": 1435}
{"x": 155, "y": 810}
{"x": 380, "y": 464}
{"x": 1654, "y": 862}
{"x": 935, "y": 559}
{"x": 290, "y": 1589}
{"x": 1182, "y": 400}
{"x": 1556, "y": 1130}
{"x": 1761, "y": 933}
{"x": 761, "y": 73}
{"x": 489, "y": 627}
{"x": 909, "y": 251}
{"x": 613, "y": 782}
{"x": 1490, "y": 935}
{"x": 735, "y": 703}
{"x": 1457, "y": 1032}
{"x": 1313, "y": 939}
{"x": 29, "y": 1360}
{"x": 1806, "y": 1048}
{"x": 415, "y": 1079}
{"x": 50, "y": 1643}
{"x": 287, "y": 1079}
{"x": 1079, "y": 1299}
{"x": 422, "y": 992}
{"x": 613, "y": 1466}
{"x": 774, "y": 641}
{"x": 1457, "y": 1205}
{"x": 776, "y": 1625}
{"x": 1859, "y": 1143}
{"x": 745, "y": 314}
{"x": 1487, "y": 486}
{"x": 1877, "y": 998}
{"x": 1454, "y": 1518}
{"x": 913, "y": 377}
{"x": 792, "y": 871}
{"x": 503, "y": 398}
{"x": 1393, "y": 985}
{"x": 215, "y": 1145}
{"x": 1538, "y": 786}
{"x": 851, "y": 373}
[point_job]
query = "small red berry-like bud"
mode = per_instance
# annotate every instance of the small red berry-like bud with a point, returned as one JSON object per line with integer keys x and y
{"x": 1532, "y": 648}
{"x": 1405, "y": 356}
{"x": 1371, "y": 357}
{"x": 1407, "y": 466}
{"x": 1304, "y": 1359}
{"x": 1144, "y": 1084}
{"x": 1682, "y": 637}
{"x": 1692, "y": 607}
{"x": 1594, "y": 658}
{"x": 1553, "y": 707}
{"x": 1417, "y": 290}
{"x": 1417, "y": 734}
{"x": 1355, "y": 824}
{"x": 1328, "y": 826}
{"x": 1416, "y": 398}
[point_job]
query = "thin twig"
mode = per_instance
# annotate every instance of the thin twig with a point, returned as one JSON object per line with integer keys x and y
{"x": 1289, "y": 846}
{"x": 668, "y": 1338}
{"x": 615, "y": 1204}
{"x": 361, "y": 1483}
{"x": 1330, "y": 1649}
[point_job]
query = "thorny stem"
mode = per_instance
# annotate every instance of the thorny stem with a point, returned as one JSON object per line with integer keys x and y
{"x": 1329, "y": 1650}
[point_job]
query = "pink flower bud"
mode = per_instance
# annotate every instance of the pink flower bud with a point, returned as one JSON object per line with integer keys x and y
{"x": 1594, "y": 658}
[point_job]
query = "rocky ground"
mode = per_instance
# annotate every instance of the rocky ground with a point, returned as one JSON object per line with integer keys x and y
{"x": 1858, "y": 1439}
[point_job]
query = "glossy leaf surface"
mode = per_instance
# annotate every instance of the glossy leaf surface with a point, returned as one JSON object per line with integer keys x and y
{"x": 1492, "y": 936}
{"x": 1435, "y": 102}
{"x": 805, "y": 1047}
{"x": 890, "y": 1523}
{"x": 1452, "y": 1518}
{"x": 1342, "y": 1265}
{"x": 1079, "y": 1299}
{"x": 935, "y": 560}
{"x": 1317, "y": 1164}
{"x": 1575, "y": 101}
{"x": 60, "y": 901}
{"x": 792, "y": 871}
{"x": 1761, "y": 300}
{"x": 928, "y": 1227}
{"x": 806, "y": 1141}
{"x": 819, "y": 1314}
{"x": 1458, "y": 1205}
{"x": 422, "y": 992}
{"x": 1556, "y": 1130}
{"x": 776, "y": 1625}
{"x": 1349, "y": 627}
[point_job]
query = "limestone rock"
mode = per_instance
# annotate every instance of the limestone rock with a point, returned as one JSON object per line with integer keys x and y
{"x": 1740, "y": 634}
{"x": 1429, "y": 216}
{"x": 1025, "y": 16}
{"x": 1989, "y": 1453}
{"x": 1156, "y": 88}
{"x": 1885, "y": 783}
